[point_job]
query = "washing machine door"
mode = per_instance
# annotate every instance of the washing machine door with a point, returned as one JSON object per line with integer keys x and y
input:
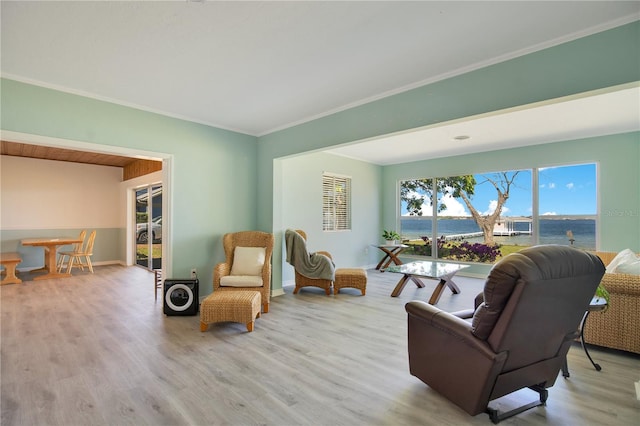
{"x": 179, "y": 297}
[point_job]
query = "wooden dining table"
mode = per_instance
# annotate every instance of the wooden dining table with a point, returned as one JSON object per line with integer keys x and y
{"x": 50, "y": 246}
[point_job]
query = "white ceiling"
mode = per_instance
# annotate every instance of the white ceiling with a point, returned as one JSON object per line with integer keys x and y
{"x": 256, "y": 67}
{"x": 588, "y": 115}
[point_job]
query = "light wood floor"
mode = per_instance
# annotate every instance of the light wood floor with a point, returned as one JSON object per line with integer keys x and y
{"x": 97, "y": 350}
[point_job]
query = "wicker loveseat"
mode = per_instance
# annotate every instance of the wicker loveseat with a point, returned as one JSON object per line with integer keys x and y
{"x": 619, "y": 326}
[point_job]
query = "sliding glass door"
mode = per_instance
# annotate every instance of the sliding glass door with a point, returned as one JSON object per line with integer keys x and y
{"x": 148, "y": 230}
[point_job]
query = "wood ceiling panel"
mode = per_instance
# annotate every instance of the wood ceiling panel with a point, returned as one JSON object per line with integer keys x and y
{"x": 61, "y": 154}
{"x": 132, "y": 167}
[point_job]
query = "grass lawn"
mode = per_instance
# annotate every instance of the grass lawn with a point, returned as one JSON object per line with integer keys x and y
{"x": 142, "y": 250}
{"x": 506, "y": 249}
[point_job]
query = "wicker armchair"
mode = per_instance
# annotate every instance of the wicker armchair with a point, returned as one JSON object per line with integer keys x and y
{"x": 302, "y": 281}
{"x": 618, "y": 326}
{"x": 246, "y": 239}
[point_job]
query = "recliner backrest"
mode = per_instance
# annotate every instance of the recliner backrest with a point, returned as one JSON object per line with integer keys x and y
{"x": 534, "y": 300}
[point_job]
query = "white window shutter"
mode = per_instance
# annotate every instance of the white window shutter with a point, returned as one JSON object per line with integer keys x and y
{"x": 336, "y": 202}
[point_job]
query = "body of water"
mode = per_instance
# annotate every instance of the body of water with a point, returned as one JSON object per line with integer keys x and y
{"x": 552, "y": 231}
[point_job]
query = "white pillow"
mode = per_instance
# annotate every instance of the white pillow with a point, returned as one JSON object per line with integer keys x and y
{"x": 625, "y": 256}
{"x": 248, "y": 261}
{"x": 632, "y": 268}
{"x": 630, "y": 264}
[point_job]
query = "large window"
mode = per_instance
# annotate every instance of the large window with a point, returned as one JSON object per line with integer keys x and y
{"x": 482, "y": 217}
{"x": 567, "y": 206}
{"x": 336, "y": 202}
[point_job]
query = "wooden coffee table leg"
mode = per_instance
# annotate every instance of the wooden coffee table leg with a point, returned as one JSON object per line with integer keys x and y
{"x": 444, "y": 281}
{"x": 400, "y": 286}
{"x": 417, "y": 281}
{"x": 437, "y": 292}
{"x": 448, "y": 279}
{"x": 403, "y": 281}
{"x": 453, "y": 286}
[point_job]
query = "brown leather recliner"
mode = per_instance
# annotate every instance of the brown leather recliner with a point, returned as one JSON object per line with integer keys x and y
{"x": 519, "y": 336}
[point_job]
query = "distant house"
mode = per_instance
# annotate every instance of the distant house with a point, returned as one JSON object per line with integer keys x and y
{"x": 506, "y": 226}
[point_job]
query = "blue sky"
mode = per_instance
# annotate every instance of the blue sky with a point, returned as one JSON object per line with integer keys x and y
{"x": 568, "y": 189}
{"x": 565, "y": 190}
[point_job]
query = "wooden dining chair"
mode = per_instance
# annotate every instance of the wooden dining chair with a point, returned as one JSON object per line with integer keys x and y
{"x": 77, "y": 247}
{"x": 83, "y": 255}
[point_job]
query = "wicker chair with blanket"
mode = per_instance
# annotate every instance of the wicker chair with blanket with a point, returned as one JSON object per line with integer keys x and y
{"x": 306, "y": 281}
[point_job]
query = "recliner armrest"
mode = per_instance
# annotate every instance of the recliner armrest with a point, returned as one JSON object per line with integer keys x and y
{"x": 445, "y": 355}
{"x": 464, "y": 314}
{"x": 454, "y": 326}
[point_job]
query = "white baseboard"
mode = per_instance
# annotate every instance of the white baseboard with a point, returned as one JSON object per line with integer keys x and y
{"x": 280, "y": 291}
{"x": 277, "y": 292}
{"x": 101, "y": 263}
{"x": 109, "y": 262}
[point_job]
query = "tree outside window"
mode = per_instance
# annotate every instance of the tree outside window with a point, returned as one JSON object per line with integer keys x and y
{"x": 483, "y": 217}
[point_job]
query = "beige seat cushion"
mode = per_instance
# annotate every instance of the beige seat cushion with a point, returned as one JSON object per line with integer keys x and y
{"x": 241, "y": 281}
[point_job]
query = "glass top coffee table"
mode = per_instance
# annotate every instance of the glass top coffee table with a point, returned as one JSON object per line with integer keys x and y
{"x": 427, "y": 269}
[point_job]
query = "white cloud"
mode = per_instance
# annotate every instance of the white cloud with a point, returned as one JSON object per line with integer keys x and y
{"x": 570, "y": 185}
{"x": 492, "y": 208}
{"x": 552, "y": 185}
{"x": 549, "y": 214}
{"x": 454, "y": 207}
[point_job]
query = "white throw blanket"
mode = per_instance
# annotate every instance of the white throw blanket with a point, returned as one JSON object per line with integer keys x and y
{"x": 314, "y": 265}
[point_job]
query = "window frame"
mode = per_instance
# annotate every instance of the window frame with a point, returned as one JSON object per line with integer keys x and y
{"x": 536, "y": 216}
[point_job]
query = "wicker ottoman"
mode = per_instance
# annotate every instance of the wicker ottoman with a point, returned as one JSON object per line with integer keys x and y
{"x": 232, "y": 306}
{"x": 350, "y": 277}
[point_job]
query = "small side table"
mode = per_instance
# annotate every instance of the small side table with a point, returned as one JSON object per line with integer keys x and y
{"x": 597, "y": 304}
{"x": 391, "y": 253}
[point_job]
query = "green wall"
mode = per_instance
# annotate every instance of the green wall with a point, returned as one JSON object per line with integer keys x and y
{"x": 107, "y": 245}
{"x": 224, "y": 181}
{"x": 617, "y": 156}
{"x": 213, "y": 181}
{"x": 605, "y": 59}
{"x": 302, "y": 207}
